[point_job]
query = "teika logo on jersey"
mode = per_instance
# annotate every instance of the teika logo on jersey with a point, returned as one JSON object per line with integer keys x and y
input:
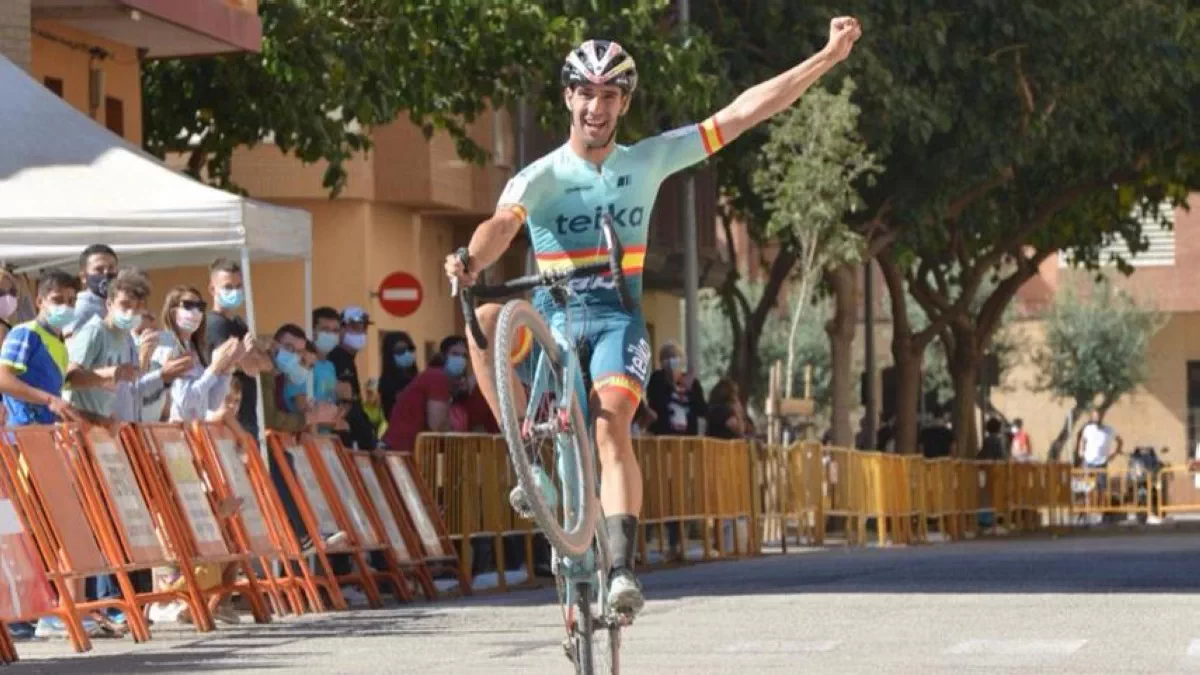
{"x": 585, "y": 222}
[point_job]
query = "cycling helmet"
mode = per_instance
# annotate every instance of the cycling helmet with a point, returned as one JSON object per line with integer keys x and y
{"x": 600, "y": 62}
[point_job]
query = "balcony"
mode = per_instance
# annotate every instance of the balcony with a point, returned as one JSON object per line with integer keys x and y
{"x": 163, "y": 28}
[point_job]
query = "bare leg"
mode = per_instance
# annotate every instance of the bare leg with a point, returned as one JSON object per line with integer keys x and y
{"x": 484, "y": 366}
{"x": 620, "y": 475}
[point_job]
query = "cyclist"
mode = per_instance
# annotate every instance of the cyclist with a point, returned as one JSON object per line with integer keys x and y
{"x": 563, "y": 197}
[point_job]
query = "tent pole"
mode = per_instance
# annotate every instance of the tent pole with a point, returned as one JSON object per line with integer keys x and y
{"x": 308, "y": 294}
{"x": 252, "y": 322}
{"x": 308, "y": 309}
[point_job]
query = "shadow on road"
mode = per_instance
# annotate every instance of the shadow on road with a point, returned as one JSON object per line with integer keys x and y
{"x": 1126, "y": 562}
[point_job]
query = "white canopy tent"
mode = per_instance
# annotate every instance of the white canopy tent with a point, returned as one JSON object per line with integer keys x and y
{"x": 66, "y": 182}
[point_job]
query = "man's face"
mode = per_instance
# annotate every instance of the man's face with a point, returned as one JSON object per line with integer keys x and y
{"x": 125, "y": 303}
{"x": 224, "y": 281}
{"x": 292, "y": 343}
{"x": 327, "y": 325}
{"x": 101, "y": 264}
{"x": 1097, "y": 417}
{"x": 595, "y": 110}
{"x": 457, "y": 350}
{"x": 58, "y": 296}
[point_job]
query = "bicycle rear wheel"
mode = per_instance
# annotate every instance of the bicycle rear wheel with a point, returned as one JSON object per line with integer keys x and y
{"x": 530, "y": 421}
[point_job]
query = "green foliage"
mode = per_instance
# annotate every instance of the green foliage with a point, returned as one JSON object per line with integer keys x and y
{"x": 330, "y": 70}
{"x": 812, "y": 345}
{"x": 1096, "y": 347}
{"x": 808, "y": 174}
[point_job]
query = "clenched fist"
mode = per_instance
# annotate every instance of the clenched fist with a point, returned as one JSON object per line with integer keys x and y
{"x": 844, "y": 31}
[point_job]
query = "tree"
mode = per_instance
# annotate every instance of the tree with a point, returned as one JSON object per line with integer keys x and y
{"x": 1011, "y": 132}
{"x": 811, "y": 346}
{"x": 1095, "y": 351}
{"x": 330, "y": 70}
{"x": 807, "y": 180}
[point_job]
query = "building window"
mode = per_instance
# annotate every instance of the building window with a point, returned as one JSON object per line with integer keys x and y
{"x": 54, "y": 84}
{"x": 1160, "y": 251}
{"x": 114, "y": 115}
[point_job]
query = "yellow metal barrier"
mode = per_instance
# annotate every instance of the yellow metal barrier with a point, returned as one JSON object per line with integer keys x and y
{"x": 708, "y": 498}
{"x": 1109, "y": 492}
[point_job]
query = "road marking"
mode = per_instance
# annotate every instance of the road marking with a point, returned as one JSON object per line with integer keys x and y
{"x": 1017, "y": 647}
{"x": 1194, "y": 648}
{"x": 780, "y": 647}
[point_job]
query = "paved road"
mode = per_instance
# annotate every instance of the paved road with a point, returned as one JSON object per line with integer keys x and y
{"x": 1125, "y": 603}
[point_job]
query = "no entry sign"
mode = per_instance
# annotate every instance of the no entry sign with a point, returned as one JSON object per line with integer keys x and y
{"x": 400, "y": 294}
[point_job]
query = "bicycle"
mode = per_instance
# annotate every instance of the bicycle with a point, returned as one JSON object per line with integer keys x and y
{"x": 580, "y": 554}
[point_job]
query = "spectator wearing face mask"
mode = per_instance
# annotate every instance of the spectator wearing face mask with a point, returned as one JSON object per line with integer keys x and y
{"x": 675, "y": 396}
{"x": 424, "y": 405}
{"x": 355, "y": 320}
{"x": 399, "y": 368}
{"x": 9, "y": 301}
{"x": 105, "y": 373}
{"x": 226, "y": 287}
{"x": 10, "y": 298}
{"x": 203, "y": 386}
{"x": 327, "y": 334}
{"x": 97, "y": 268}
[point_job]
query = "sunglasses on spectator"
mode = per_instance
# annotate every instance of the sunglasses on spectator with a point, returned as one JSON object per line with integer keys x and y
{"x": 192, "y": 305}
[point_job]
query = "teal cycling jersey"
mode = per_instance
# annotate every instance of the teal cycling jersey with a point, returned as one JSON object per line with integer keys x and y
{"x": 563, "y": 199}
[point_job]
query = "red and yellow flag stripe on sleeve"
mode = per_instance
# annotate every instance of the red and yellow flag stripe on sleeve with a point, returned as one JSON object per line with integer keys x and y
{"x": 632, "y": 263}
{"x": 710, "y": 133}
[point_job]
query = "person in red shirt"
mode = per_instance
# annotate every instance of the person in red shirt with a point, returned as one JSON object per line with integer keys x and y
{"x": 424, "y": 405}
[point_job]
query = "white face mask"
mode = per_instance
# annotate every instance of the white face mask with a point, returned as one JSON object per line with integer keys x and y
{"x": 355, "y": 341}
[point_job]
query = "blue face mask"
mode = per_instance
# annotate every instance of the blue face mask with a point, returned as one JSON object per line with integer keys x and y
{"x": 59, "y": 316}
{"x": 289, "y": 364}
{"x": 126, "y": 321}
{"x": 230, "y": 298}
{"x": 456, "y": 365}
{"x": 326, "y": 341}
{"x": 405, "y": 359}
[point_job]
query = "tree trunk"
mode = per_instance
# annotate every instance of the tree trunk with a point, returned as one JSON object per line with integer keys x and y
{"x": 797, "y": 314}
{"x": 908, "y": 393}
{"x": 843, "y": 279}
{"x": 964, "y": 373}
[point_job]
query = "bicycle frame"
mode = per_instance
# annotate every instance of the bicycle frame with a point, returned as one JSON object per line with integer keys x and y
{"x": 583, "y": 569}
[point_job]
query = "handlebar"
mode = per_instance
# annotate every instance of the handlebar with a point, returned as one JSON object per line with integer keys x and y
{"x": 467, "y": 297}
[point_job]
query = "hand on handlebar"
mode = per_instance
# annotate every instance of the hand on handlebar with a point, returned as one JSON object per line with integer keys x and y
{"x": 456, "y": 271}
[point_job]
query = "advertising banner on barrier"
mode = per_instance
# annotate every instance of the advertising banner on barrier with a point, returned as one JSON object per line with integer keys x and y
{"x": 24, "y": 588}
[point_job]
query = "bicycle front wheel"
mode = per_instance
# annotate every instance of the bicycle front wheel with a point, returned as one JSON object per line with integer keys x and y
{"x": 533, "y": 421}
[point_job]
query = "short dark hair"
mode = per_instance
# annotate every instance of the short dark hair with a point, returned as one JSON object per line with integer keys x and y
{"x": 225, "y": 265}
{"x": 451, "y": 341}
{"x": 290, "y": 329}
{"x": 993, "y": 425}
{"x": 131, "y": 282}
{"x": 55, "y": 280}
{"x": 95, "y": 249}
{"x": 326, "y": 312}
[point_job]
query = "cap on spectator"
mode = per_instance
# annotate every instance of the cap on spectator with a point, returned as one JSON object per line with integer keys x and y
{"x": 356, "y": 314}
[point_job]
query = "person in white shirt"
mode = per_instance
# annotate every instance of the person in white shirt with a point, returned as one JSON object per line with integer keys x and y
{"x": 1098, "y": 442}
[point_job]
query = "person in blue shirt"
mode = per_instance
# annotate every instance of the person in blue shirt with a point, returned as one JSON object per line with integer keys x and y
{"x": 33, "y": 359}
{"x": 564, "y": 197}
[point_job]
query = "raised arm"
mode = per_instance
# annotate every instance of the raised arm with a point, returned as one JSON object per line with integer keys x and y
{"x": 765, "y": 99}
